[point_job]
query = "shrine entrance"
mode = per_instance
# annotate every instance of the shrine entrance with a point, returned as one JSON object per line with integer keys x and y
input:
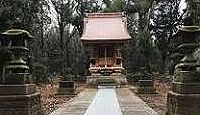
{"x": 106, "y": 57}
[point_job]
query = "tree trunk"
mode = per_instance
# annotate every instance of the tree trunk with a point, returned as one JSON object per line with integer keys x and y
{"x": 3, "y": 73}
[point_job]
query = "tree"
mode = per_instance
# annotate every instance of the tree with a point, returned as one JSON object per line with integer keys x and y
{"x": 64, "y": 15}
{"x": 193, "y": 9}
{"x": 43, "y": 22}
{"x": 78, "y": 54}
{"x": 23, "y": 14}
{"x": 145, "y": 37}
{"x": 82, "y": 7}
{"x": 166, "y": 18}
{"x": 114, "y": 6}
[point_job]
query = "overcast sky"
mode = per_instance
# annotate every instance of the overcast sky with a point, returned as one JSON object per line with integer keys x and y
{"x": 182, "y": 5}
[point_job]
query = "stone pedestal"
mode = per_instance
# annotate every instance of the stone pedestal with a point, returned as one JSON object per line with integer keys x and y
{"x": 145, "y": 82}
{"x": 183, "y": 104}
{"x": 67, "y": 88}
{"x": 146, "y": 87}
{"x": 21, "y": 102}
{"x": 184, "y": 97}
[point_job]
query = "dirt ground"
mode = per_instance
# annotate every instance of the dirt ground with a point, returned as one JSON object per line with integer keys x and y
{"x": 158, "y": 101}
{"x": 50, "y": 101}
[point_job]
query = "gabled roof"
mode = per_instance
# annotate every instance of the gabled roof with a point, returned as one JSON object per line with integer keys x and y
{"x": 105, "y": 26}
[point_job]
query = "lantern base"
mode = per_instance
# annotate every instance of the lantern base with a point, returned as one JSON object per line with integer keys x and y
{"x": 20, "y": 100}
{"x": 146, "y": 87}
{"x": 183, "y": 104}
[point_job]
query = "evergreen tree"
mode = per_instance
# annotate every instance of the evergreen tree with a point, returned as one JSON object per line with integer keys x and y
{"x": 114, "y": 6}
{"x": 82, "y": 7}
{"x": 23, "y": 14}
{"x": 166, "y": 18}
{"x": 193, "y": 9}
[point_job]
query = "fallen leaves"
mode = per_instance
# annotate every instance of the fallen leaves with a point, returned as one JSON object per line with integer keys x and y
{"x": 50, "y": 101}
{"x": 158, "y": 101}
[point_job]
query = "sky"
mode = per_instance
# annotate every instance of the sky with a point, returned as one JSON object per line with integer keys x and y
{"x": 183, "y": 5}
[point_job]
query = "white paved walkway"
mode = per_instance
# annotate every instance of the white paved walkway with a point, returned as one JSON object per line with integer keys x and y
{"x": 120, "y": 101}
{"x": 104, "y": 103}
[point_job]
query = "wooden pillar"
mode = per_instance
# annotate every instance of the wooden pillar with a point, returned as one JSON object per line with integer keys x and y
{"x": 105, "y": 51}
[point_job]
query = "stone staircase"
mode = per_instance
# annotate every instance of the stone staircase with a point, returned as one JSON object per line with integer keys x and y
{"x": 106, "y": 81}
{"x": 114, "y": 79}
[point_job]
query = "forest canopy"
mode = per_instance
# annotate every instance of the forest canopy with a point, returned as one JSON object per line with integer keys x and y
{"x": 58, "y": 25}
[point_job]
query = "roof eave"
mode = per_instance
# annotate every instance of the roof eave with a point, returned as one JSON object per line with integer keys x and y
{"x": 104, "y": 39}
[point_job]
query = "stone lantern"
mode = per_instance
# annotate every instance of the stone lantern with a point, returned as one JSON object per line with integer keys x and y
{"x": 184, "y": 96}
{"x": 18, "y": 94}
{"x": 17, "y": 69}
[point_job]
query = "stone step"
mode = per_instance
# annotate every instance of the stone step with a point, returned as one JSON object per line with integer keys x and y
{"x": 106, "y": 82}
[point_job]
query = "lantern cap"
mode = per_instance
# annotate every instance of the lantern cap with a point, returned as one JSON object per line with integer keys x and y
{"x": 190, "y": 28}
{"x": 14, "y": 32}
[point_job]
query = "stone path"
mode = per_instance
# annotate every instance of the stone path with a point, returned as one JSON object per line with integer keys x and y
{"x": 78, "y": 104}
{"x": 104, "y": 103}
{"x": 131, "y": 104}
{"x": 120, "y": 101}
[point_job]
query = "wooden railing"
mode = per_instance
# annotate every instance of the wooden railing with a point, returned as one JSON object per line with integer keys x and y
{"x": 106, "y": 61}
{"x": 102, "y": 62}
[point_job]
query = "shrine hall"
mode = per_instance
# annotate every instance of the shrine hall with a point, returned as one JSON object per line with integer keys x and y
{"x": 104, "y": 34}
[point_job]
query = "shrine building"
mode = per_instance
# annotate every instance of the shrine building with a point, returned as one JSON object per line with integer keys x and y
{"x": 104, "y": 34}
